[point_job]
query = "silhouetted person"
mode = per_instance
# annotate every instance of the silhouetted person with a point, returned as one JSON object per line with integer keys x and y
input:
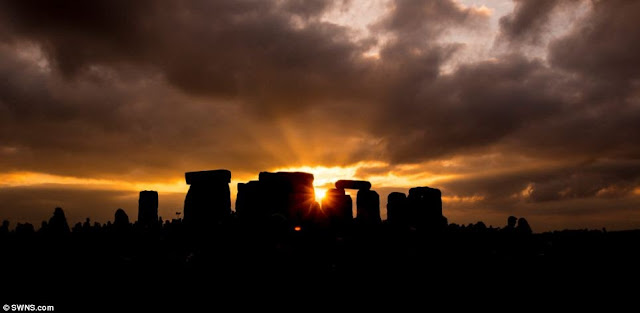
{"x": 523, "y": 227}
{"x": 77, "y": 228}
{"x": 480, "y": 226}
{"x": 4, "y": 229}
{"x": 44, "y": 227}
{"x": 121, "y": 220}
{"x": 58, "y": 222}
{"x": 87, "y": 225}
{"x": 24, "y": 229}
{"x": 511, "y": 224}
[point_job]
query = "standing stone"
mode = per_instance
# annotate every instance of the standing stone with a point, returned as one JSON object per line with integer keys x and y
{"x": 367, "y": 202}
{"x": 353, "y": 184}
{"x": 249, "y": 202}
{"x": 290, "y": 194}
{"x": 368, "y": 207}
{"x": 397, "y": 210}
{"x": 148, "y": 208}
{"x": 337, "y": 206}
{"x": 425, "y": 208}
{"x": 208, "y": 200}
{"x": 287, "y": 194}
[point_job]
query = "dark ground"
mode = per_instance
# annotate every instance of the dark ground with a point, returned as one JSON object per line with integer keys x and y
{"x": 275, "y": 266}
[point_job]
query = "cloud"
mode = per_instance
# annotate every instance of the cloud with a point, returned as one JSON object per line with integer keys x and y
{"x": 477, "y": 106}
{"x": 527, "y": 21}
{"x": 602, "y": 46}
{"x": 231, "y": 49}
{"x": 146, "y": 90}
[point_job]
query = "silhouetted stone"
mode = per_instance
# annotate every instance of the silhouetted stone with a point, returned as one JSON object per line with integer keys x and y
{"x": 288, "y": 194}
{"x": 294, "y": 182}
{"x": 397, "y": 210}
{"x": 338, "y": 207}
{"x": 208, "y": 200}
{"x": 353, "y": 184}
{"x": 58, "y": 222}
{"x": 302, "y": 207}
{"x": 368, "y": 207}
{"x": 148, "y": 208}
{"x": 208, "y": 177}
{"x": 425, "y": 207}
{"x": 249, "y": 201}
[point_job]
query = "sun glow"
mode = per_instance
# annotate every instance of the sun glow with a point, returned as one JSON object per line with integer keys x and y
{"x": 23, "y": 179}
{"x": 320, "y": 194}
{"x": 380, "y": 174}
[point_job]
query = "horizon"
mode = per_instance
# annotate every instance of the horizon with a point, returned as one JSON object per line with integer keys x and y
{"x": 525, "y": 108}
{"x": 74, "y": 215}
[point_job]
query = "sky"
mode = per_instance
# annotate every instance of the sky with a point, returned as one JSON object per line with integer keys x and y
{"x": 527, "y": 107}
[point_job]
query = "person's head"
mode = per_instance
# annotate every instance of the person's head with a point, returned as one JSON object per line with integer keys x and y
{"x": 522, "y": 222}
{"x": 511, "y": 221}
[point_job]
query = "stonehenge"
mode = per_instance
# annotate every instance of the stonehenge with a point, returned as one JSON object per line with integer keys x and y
{"x": 367, "y": 201}
{"x": 290, "y": 197}
{"x": 353, "y": 184}
{"x": 368, "y": 207}
{"x": 422, "y": 209}
{"x": 148, "y": 207}
{"x": 209, "y": 199}
{"x": 397, "y": 211}
{"x": 425, "y": 207}
{"x": 287, "y": 194}
{"x": 337, "y": 206}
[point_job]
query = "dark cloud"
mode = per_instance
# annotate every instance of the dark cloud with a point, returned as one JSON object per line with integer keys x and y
{"x": 459, "y": 112}
{"x": 546, "y": 182}
{"x": 145, "y": 90}
{"x": 308, "y": 8}
{"x": 247, "y": 49}
{"x": 426, "y": 20}
{"x": 603, "y": 45}
{"x": 528, "y": 20}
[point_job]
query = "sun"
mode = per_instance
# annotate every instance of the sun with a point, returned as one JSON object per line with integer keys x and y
{"x": 320, "y": 194}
